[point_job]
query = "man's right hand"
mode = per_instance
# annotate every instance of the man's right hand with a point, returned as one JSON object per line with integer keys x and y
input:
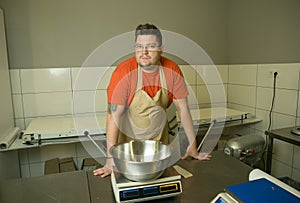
{"x": 105, "y": 170}
{"x": 102, "y": 172}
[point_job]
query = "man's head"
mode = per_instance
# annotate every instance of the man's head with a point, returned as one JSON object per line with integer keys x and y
{"x": 148, "y": 29}
{"x": 148, "y": 46}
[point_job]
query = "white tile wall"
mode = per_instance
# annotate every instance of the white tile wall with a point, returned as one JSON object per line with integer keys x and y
{"x": 89, "y": 101}
{"x": 242, "y": 74}
{"x": 90, "y": 78}
{"x": 211, "y": 74}
{"x": 283, "y": 151}
{"x": 247, "y": 81}
{"x": 212, "y": 94}
{"x": 47, "y": 104}
{"x": 266, "y": 93}
{"x": 203, "y": 95}
{"x": 15, "y": 81}
{"x": 248, "y": 109}
{"x": 296, "y": 160}
{"x": 285, "y": 100}
{"x": 54, "y": 92}
{"x": 18, "y": 106}
{"x": 45, "y": 80}
{"x": 287, "y": 75}
{"x": 190, "y": 76}
{"x": 223, "y": 70}
{"x": 84, "y": 101}
{"x": 192, "y": 98}
{"x": 280, "y": 169}
{"x": 264, "y": 115}
{"x": 17, "y": 97}
{"x": 189, "y": 73}
{"x": 20, "y": 122}
{"x": 282, "y": 121}
{"x": 298, "y": 112}
{"x": 208, "y": 82}
{"x": 242, "y": 94}
{"x": 103, "y": 83}
{"x": 64, "y": 91}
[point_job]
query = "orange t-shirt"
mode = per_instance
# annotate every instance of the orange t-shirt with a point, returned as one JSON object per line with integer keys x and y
{"x": 122, "y": 86}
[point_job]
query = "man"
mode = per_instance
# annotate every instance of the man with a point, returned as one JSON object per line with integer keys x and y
{"x": 140, "y": 90}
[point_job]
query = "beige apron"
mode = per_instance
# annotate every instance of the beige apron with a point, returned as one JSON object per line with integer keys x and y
{"x": 146, "y": 117}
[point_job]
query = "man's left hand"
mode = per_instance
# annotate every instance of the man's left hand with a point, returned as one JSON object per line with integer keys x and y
{"x": 192, "y": 152}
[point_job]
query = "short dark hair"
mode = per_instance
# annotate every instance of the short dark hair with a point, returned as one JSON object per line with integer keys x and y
{"x": 148, "y": 29}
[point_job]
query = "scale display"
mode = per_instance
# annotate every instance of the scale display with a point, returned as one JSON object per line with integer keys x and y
{"x": 129, "y": 191}
{"x": 150, "y": 192}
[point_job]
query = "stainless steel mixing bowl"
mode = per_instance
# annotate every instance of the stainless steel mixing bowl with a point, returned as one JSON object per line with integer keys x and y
{"x": 141, "y": 160}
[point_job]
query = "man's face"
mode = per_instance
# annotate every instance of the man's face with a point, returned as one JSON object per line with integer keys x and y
{"x": 147, "y": 51}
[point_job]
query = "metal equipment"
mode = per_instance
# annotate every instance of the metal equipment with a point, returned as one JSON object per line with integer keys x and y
{"x": 247, "y": 148}
{"x": 141, "y": 160}
{"x": 141, "y": 171}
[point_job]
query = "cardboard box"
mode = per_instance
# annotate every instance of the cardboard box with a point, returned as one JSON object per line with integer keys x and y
{"x": 90, "y": 164}
{"x": 59, "y": 165}
{"x": 66, "y": 164}
{"x": 51, "y": 166}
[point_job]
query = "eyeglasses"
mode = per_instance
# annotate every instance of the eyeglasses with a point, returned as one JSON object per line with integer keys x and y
{"x": 149, "y": 47}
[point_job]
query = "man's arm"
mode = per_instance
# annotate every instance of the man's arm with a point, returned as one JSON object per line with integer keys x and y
{"x": 187, "y": 123}
{"x": 114, "y": 113}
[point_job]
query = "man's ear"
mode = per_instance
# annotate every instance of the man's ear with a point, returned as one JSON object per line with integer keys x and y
{"x": 162, "y": 49}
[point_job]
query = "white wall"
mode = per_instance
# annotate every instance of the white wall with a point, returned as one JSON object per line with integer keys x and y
{"x": 250, "y": 88}
{"x": 50, "y": 93}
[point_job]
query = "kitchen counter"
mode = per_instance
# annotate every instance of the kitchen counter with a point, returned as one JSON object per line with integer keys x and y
{"x": 209, "y": 178}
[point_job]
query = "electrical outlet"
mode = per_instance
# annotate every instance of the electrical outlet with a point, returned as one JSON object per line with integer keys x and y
{"x": 272, "y": 72}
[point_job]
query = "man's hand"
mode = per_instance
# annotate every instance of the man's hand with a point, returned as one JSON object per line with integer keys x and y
{"x": 105, "y": 170}
{"x": 102, "y": 172}
{"x": 192, "y": 152}
{"x": 204, "y": 156}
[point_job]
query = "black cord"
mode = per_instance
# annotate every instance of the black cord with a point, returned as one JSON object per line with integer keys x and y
{"x": 297, "y": 106}
{"x": 270, "y": 118}
{"x": 273, "y": 99}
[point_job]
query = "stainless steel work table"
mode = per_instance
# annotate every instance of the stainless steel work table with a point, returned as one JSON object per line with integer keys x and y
{"x": 65, "y": 128}
{"x": 209, "y": 178}
{"x": 283, "y": 134}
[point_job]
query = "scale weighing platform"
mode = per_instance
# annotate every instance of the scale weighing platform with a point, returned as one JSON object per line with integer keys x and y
{"x": 261, "y": 188}
{"x": 129, "y": 191}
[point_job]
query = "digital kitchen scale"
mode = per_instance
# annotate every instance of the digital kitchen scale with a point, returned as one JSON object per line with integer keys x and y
{"x": 261, "y": 188}
{"x": 129, "y": 191}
